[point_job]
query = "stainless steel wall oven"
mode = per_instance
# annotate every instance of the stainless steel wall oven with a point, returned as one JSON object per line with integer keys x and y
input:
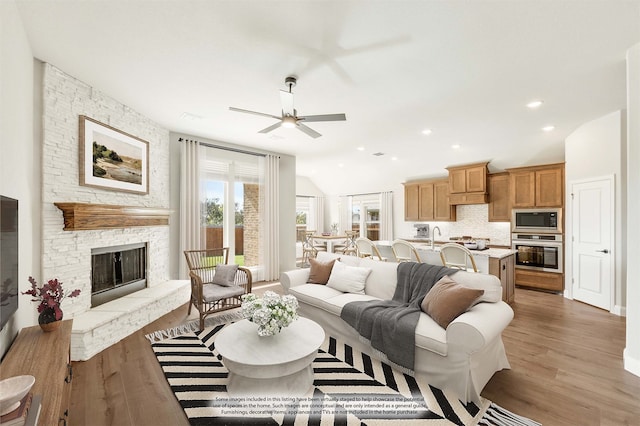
{"x": 541, "y": 252}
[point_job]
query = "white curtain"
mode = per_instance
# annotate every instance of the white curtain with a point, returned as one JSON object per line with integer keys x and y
{"x": 316, "y": 213}
{"x": 386, "y": 216}
{"x": 271, "y": 212}
{"x": 344, "y": 213}
{"x": 190, "y": 215}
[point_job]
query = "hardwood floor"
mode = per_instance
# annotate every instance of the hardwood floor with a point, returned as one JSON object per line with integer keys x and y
{"x": 566, "y": 360}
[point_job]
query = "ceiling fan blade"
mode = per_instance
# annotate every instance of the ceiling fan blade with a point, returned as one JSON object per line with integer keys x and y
{"x": 272, "y": 127}
{"x": 255, "y": 113}
{"x": 286, "y": 99}
{"x": 308, "y": 130}
{"x": 324, "y": 117}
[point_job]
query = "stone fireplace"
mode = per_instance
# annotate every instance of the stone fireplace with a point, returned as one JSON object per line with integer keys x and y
{"x": 117, "y": 271}
{"x": 77, "y": 219}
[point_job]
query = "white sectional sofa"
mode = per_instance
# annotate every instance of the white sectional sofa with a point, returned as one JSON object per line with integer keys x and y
{"x": 460, "y": 359}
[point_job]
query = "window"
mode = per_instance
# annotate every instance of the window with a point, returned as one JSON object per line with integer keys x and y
{"x": 302, "y": 217}
{"x": 365, "y": 216}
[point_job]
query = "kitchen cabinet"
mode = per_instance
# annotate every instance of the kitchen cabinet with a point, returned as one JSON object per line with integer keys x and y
{"x": 429, "y": 201}
{"x": 443, "y": 211}
{"x": 539, "y": 186}
{"x": 499, "y": 202}
{"x": 468, "y": 184}
{"x": 550, "y": 281}
{"x": 504, "y": 268}
{"x": 411, "y": 202}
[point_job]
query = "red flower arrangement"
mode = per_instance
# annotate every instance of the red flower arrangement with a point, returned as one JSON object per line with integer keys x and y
{"x": 50, "y": 295}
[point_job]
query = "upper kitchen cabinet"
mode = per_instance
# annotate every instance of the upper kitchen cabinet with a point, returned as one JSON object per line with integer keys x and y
{"x": 499, "y": 203}
{"x": 411, "y": 202}
{"x": 538, "y": 186}
{"x": 429, "y": 201}
{"x": 468, "y": 184}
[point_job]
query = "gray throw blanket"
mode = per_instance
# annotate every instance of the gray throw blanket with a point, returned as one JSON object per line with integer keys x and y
{"x": 390, "y": 325}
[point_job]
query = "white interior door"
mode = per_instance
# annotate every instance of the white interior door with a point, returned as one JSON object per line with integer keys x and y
{"x": 593, "y": 240}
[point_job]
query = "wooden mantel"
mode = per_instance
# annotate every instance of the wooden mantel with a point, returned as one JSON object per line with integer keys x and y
{"x": 83, "y": 216}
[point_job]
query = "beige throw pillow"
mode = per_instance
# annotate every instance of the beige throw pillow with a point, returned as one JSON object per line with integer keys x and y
{"x": 447, "y": 300}
{"x": 225, "y": 275}
{"x": 320, "y": 271}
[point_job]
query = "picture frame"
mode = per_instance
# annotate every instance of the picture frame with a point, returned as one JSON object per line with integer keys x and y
{"x": 112, "y": 159}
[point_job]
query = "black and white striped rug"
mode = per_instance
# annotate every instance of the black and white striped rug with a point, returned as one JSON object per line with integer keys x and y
{"x": 349, "y": 388}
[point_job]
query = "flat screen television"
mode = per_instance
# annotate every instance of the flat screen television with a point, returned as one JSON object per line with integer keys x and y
{"x": 8, "y": 258}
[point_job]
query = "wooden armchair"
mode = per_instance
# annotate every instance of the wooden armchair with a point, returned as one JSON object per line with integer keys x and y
{"x": 211, "y": 294}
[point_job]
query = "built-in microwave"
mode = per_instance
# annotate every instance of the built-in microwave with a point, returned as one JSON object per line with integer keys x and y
{"x": 546, "y": 221}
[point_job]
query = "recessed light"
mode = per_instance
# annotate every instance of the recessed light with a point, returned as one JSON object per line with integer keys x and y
{"x": 361, "y": 148}
{"x": 456, "y": 146}
{"x": 548, "y": 128}
{"x": 394, "y": 158}
{"x": 341, "y": 165}
{"x": 427, "y": 131}
{"x": 534, "y": 104}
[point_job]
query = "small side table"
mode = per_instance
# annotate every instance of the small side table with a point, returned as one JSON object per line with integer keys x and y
{"x": 270, "y": 365}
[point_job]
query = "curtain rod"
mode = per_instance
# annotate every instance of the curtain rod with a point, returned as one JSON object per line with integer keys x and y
{"x": 226, "y": 148}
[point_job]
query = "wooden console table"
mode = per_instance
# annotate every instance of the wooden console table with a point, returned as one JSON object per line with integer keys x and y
{"x": 46, "y": 356}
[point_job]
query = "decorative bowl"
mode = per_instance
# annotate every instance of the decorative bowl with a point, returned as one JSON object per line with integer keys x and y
{"x": 471, "y": 245}
{"x": 326, "y": 234}
{"x": 12, "y": 390}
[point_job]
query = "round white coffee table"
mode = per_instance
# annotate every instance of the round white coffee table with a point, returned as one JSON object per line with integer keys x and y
{"x": 270, "y": 365}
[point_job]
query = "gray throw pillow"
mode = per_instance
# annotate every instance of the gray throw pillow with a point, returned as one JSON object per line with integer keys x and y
{"x": 225, "y": 275}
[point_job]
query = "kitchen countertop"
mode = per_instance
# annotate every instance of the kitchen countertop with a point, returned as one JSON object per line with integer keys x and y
{"x": 497, "y": 253}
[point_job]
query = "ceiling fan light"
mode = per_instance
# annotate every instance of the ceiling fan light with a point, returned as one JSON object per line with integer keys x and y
{"x": 289, "y": 122}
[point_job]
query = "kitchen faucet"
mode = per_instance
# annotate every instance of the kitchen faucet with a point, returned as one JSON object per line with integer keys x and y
{"x": 433, "y": 236}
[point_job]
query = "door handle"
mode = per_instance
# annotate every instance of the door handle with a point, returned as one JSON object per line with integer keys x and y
{"x": 605, "y": 251}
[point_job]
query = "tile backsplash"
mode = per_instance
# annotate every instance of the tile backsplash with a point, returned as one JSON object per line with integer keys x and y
{"x": 472, "y": 220}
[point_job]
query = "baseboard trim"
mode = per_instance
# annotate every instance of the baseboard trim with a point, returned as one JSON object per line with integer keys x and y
{"x": 632, "y": 365}
{"x": 619, "y": 310}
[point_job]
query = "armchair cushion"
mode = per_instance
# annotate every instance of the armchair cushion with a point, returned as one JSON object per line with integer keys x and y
{"x": 447, "y": 300}
{"x": 225, "y": 275}
{"x": 320, "y": 271}
{"x": 213, "y": 292}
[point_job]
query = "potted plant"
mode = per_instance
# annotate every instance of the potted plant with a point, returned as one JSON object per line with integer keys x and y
{"x": 50, "y": 295}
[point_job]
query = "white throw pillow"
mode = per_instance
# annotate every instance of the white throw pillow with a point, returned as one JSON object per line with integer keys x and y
{"x": 348, "y": 279}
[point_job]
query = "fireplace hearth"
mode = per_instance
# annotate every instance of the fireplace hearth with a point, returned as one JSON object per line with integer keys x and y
{"x": 117, "y": 271}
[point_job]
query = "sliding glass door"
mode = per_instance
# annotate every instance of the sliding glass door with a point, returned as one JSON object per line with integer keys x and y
{"x": 231, "y": 205}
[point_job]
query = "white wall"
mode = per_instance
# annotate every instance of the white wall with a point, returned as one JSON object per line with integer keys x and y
{"x": 632, "y": 351}
{"x": 596, "y": 149}
{"x": 19, "y": 156}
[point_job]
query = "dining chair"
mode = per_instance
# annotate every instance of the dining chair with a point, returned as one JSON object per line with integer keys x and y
{"x": 309, "y": 249}
{"x": 349, "y": 247}
{"x": 404, "y": 251}
{"x": 367, "y": 248}
{"x": 458, "y": 256}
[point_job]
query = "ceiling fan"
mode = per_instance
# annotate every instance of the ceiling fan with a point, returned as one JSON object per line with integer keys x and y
{"x": 290, "y": 116}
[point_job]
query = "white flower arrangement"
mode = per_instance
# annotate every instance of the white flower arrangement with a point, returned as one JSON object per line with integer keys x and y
{"x": 271, "y": 312}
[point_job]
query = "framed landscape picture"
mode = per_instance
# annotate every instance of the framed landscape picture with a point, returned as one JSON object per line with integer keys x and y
{"x": 112, "y": 159}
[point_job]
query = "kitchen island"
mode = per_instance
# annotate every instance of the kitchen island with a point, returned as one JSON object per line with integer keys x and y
{"x": 495, "y": 261}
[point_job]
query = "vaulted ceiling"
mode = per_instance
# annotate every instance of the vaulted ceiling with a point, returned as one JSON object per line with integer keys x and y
{"x": 463, "y": 69}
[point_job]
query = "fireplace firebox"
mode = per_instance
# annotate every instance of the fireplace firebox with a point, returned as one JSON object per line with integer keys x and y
{"x": 117, "y": 271}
